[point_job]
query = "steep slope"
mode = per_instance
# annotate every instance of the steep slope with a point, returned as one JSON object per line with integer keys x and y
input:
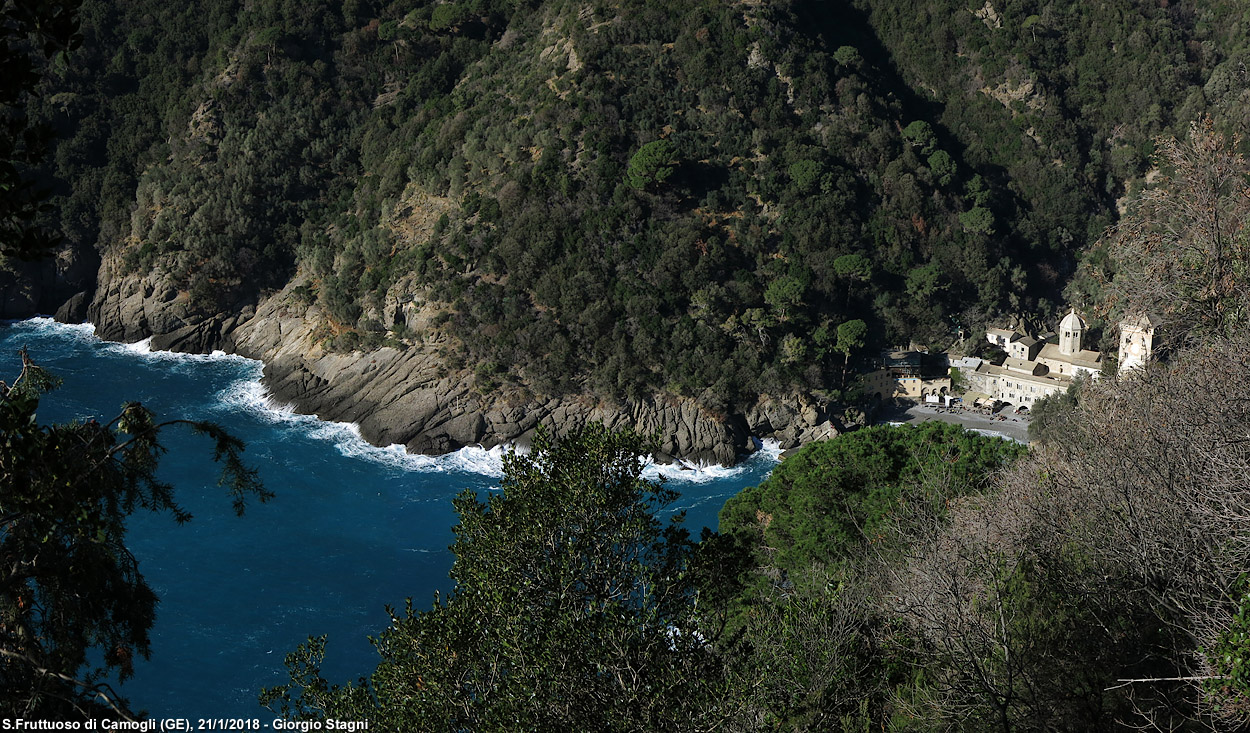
{"x": 608, "y": 203}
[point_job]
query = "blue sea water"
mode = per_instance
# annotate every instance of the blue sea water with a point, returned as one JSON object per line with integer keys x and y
{"x": 353, "y": 528}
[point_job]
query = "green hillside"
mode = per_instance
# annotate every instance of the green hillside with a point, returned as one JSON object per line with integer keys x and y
{"x": 716, "y": 200}
{"x": 631, "y": 196}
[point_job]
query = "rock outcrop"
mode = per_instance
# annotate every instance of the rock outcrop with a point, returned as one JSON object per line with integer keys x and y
{"x": 59, "y": 282}
{"x": 131, "y": 308}
{"x": 408, "y": 396}
{"x": 792, "y": 420}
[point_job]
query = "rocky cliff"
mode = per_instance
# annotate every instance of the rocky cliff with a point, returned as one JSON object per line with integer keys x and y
{"x": 59, "y": 282}
{"x": 408, "y": 396}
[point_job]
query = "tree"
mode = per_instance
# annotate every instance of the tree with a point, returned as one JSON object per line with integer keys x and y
{"x": 1181, "y": 252}
{"x": 1112, "y": 558}
{"x": 805, "y": 174}
{"x": 447, "y": 16}
{"x": 978, "y": 220}
{"x": 812, "y": 664}
{"x": 850, "y": 337}
{"x": 943, "y": 167}
{"x": 832, "y": 496}
{"x": 848, "y": 56}
{"x": 652, "y": 164}
{"x": 74, "y": 606}
{"x": 1150, "y": 484}
{"x": 32, "y": 32}
{"x": 826, "y": 531}
{"x": 574, "y": 609}
{"x": 923, "y": 282}
{"x": 1002, "y": 643}
{"x": 784, "y": 295}
{"x": 1049, "y": 415}
{"x": 920, "y": 134}
{"x": 854, "y": 268}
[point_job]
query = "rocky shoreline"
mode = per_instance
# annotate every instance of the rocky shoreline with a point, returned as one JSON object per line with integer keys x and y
{"x": 409, "y": 397}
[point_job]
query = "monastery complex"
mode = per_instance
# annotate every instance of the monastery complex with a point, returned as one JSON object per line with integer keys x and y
{"x": 1034, "y": 367}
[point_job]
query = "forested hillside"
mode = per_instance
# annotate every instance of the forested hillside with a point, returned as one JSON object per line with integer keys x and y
{"x": 714, "y": 201}
{"x": 623, "y": 198}
{"x": 897, "y": 578}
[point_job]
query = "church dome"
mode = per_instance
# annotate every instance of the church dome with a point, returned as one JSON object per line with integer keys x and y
{"x": 1070, "y": 331}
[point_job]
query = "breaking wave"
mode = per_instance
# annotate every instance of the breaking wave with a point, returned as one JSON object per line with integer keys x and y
{"x": 248, "y": 395}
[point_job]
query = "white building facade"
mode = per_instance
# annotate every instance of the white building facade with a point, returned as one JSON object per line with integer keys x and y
{"x": 1035, "y": 369}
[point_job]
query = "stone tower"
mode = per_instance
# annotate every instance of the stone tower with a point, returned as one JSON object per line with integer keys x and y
{"x": 1071, "y": 328}
{"x": 1136, "y": 341}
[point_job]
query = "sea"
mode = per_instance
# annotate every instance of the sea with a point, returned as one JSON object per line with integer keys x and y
{"x": 352, "y": 529}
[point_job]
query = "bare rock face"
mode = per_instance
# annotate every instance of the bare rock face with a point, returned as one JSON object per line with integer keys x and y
{"x": 407, "y": 396}
{"x": 399, "y": 397}
{"x": 130, "y": 308}
{"x": 792, "y": 420}
{"x": 74, "y": 310}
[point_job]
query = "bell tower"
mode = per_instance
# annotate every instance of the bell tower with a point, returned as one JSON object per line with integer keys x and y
{"x": 1136, "y": 341}
{"x": 1071, "y": 328}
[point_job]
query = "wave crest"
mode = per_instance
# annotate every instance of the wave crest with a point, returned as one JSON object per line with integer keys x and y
{"x": 768, "y": 453}
{"x": 251, "y": 396}
{"x": 248, "y": 395}
{"x": 42, "y": 326}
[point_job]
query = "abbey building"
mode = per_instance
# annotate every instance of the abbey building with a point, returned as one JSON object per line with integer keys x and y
{"x": 1036, "y": 368}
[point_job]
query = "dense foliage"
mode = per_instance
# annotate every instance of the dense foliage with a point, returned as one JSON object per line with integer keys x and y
{"x": 574, "y": 609}
{"x": 1099, "y": 582}
{"x": 951, "y": 583}
{"x": 715, "y": 200}
{"x": 31, "y": 34}
{"x": 74, "y": 609}
{"x": 923, "y": 578}
{"x": 623, "y": 197}
{"x": 818, "y": 507}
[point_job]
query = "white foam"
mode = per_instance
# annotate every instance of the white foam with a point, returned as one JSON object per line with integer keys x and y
{"x": 42, "y": 325}
{"x": 143, "y": 350}
{"x": 251, "y": 396}
{"x": 85, "y": 333}
{"x": 476, "y": 459}
{"x": 768, "y": 452}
